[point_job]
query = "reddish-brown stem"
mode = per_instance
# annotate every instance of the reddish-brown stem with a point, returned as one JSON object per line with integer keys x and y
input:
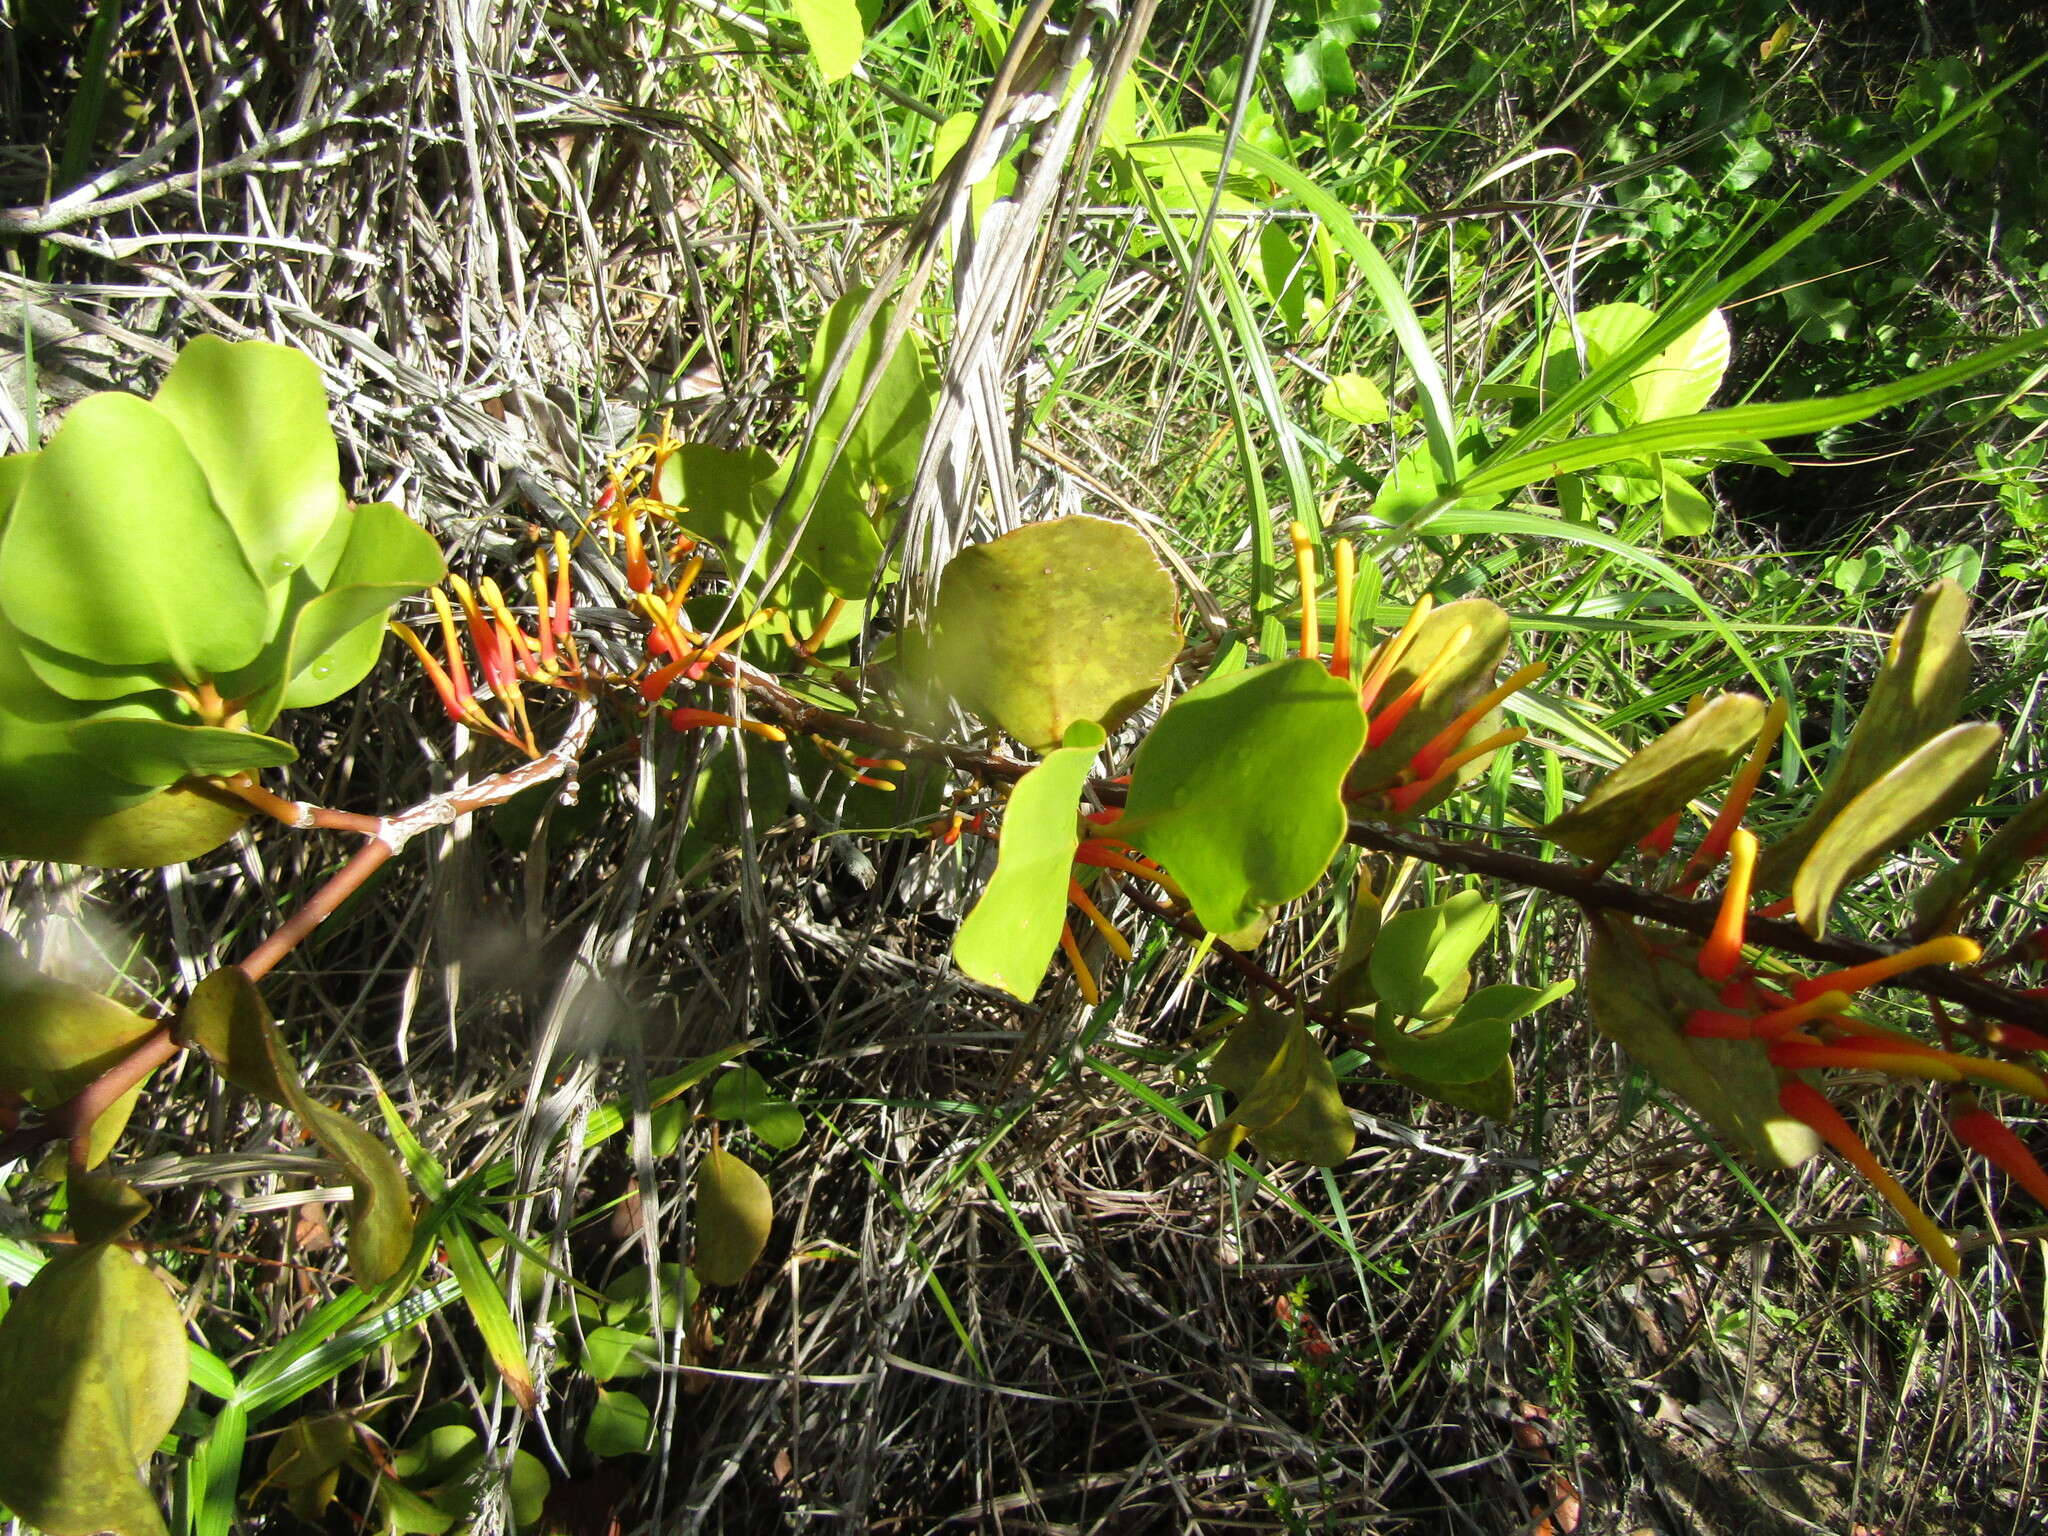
{"x": 363, "y": 863}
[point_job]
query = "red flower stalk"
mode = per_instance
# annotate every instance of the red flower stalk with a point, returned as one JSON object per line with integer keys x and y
{"x": 1992, "y": 1139}
{"x": 1805, "y": 1103}
{"x": 1402, "y": 796}
{"x": 1388, "y": 720}
{"x": 513, "y": 646}
{"x": 1391, "y": 652}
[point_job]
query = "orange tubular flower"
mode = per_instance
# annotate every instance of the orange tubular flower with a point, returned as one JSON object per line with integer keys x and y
{"x": 1389, "y": 719}
{"x": 1992, "y": 1139}
{"x": 1345, "y": 559}
{"x": 1805, "y": 1103}
{"x": 1722, "y": 952}
{"x": 1391, "y": 652}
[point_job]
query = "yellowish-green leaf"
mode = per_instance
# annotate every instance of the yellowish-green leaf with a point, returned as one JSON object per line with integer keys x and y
{"x": 56, "y": 1037}
{"x": 1920, "y": 792}
{"x": 733, "y": 1214}
{"x": 227, "y": 1018}
{"x": 1475, "y": 632}
{"x": 1355, "y": 398}
{"x": 1660, "y": 779}
{"x": 93, "y": 1368}
{"x": 183, "y": 822}
{"x": 1286, "y": 1093}
{"x": 1918, "y": 694}
{"x": 1641, "y": 1003}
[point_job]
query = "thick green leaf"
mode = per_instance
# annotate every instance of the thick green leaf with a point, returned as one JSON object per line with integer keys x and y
{"x": 93, "y": 1368}
{"x": 733, "y": 1214}
{"x": 154, "y": 752}
{"x": 877, "y": 447}
{"x": 1687, "y": 513}
{"x": 743, "y": 1094}
{"x": 254, "y": 416}
{"x": 1492, "y": 1096}
{"x": 612, "y": 1353}
{"x": 443, "y": 1481}
{"x": 333, "y": 639}
{"x": 181, "y": 823}
{"x": 306, "y": 1461}
{"x": 116, "y": 553}
{"x": 1917, "y": 695}
{"x": 88, "y": 681}
{"x": 834, "y": 31}
{"x": 1475, "y": 632}
{"x": 101, "y": 1206}
{"x": 1238, "y": 790}
{"x": 1420, "y": 965}
{"x": 1920, "y": 792}
{"x": 56, "y": 1037}
{"x": 1472, "y": 1047}
{"x": 719, "y": 494}
{"x": 1678, "y": 381}
{"x": 1009, "y": 938}
{"x": 1641, "y": 1003}
{"x": 619, "y": 1425}
{"x": 227, "y": 1018}
{"x": 1660, "y": 779}
{"x": 1286, "y": 1092}
{"x": 1061, "y": 621}
{"x": 1355, "y": 398}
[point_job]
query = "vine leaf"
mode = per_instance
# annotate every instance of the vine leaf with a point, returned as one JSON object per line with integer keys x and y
{"x": 1057, "y": 622}
{"x": 734, "y": 1213}
{"x": 1641, "y": 1002}
{"x": 1479, "y": 631}
{"x": 93, "y": 1367}
{"x": 56, "y": 1037}
{"x": 1420, "y": 964}
{"x": 227, "y": 1018}
{"x": 1238, "y": 790}
{"x": 1009, "y": 938}
{"x": 1917, "y": 695}
{"x": 1921, "y": 791}
{"x": 1659, "y": 779}
{"x": 1286, "y": 1092}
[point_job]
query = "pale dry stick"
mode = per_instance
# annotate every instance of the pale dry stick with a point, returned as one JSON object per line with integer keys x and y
{"x": 385, "y": 836}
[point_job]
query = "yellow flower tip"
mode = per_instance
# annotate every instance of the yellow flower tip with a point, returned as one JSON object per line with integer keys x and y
{"x": 1298, "y": 535}
{"x": 1948, "y": 949}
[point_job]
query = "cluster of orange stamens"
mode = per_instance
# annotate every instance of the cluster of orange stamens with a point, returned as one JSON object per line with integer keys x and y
{"x": 1807, "y": 1026}
{"x": 1447, "y": 752}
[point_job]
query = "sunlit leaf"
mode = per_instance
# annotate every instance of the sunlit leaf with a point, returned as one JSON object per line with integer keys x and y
{"x": 1009, "y": 938}
{"x": 180, "y": 823}
{"x": 1660, "y": 779}
{"x": 834, "y": 31}
{"x": 1917, "y": 695}
{"x": 155, "y": 752}
{"x": 1061, "y": 621}
{"x": 743, "y": 1094}
{"x": 89, "y": 566}
{"x": 227, "y": 1018}
{"x": 1238, "y": 790}
{"x": 1420, "y": 964}
{"x": 93, "y": 1368}
{"x": 56, "y": 1037}
{"x": 1355, "y": 398}
{"x": 1921, "y": 791}
{"x": 1471, "y": 1047}
{"x": 733, "y": 1214}
{"x": 254, "y": 416}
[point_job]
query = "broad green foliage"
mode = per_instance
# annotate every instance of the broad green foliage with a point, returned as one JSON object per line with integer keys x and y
{"x": 441, "y": 1483}
{"x": 1640, "y": 1000}
{"x": 743, "y": 1094}
{"x": 834, "y": 30}
{"x": 1009, "y": 938}
{"x": 1919, "y": 792}
{"x": 733, "y": 1212}
{"x": 172, "y": 574}
{"x": 93, "y": 1368}
{"x": 226, "y": 1018}
{"x": 1063, "y": 621}
{"x": 1918, "y": 694}
{"x": 1471, "y": 1047}
{"x": 56, "y": 1037}
{"x": 1285, "y": 1091}
{"x": 1421, "y": 962}
{"x": 1660, "y": 779}
{"x": 1238, "y": 790}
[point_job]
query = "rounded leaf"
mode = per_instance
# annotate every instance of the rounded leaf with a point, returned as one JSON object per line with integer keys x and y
{"x": 116, "y": 553}
{"x": 254, "y": 417}
{"x": 154, "y": 752}
{"x": 734, "y": 1213}
{"x": 1238, "y": 790}
{"x": 1058, "y": 622}
{"x": 93, "y": 1367}
{"x": 1660, "y": 779}
{"x": 180, "y": 823}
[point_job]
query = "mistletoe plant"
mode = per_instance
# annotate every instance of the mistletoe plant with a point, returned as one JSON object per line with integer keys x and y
{"x": 177, "y": 573}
